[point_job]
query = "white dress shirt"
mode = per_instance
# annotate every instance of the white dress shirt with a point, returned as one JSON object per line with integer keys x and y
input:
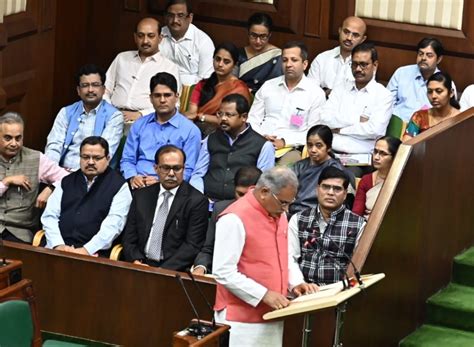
{"x": 345, "y": 106}
{"x": 287, "y": 114}
{"x": 128, "y": 80}
{"x": 329, "y": 68}
{"x": 192, "y": 53}
{"x": 467, "y": 98}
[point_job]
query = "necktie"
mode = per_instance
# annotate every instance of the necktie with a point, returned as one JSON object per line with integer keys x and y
{"x": 156, "y": 237}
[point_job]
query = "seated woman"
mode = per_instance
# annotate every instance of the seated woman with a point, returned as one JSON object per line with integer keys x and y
{"x": 443, "y": 102}
{"x": 260, "y": 60}
{"x": 369, "y": 186}
{"x": 207, "y": 95}
{"x": 318, "y": 142}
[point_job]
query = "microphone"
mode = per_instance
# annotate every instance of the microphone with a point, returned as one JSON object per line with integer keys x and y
{"x": 199, "y": 330}
{"x": 203, "y": 296}
{"x": 346, "y": 256}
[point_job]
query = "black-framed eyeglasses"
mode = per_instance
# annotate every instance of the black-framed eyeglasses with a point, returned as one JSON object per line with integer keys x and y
{"x": 94, "y": 158}
{"x": 167, "y": 168}
{"x": 383, "y": 154}
{"x": 221, "y": 114}
{"x": 179, "y": 16}
{"x": 362, "y": 64}
{"x": 281, "y": 202}
{"x": 327, "y": 187}
{"x": 255, "y": 36}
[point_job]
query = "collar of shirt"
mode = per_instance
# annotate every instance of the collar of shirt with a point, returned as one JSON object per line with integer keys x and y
{"x": 231, "y": 140}
{"x": 369, "y": 88}
{"x": 333, "y": 213}
{"x": 188, "y": 36}
{"x": 172, "y": 191}
{"x": 419, "y": 76}
{"x": 337, "y": 55}
{"x": 303, "y": 84}
{"x": 89, "y": 185}
{"x": 156, "y": 57}
{"x": 174, "y": 120}
{"x": 94, "y": 110}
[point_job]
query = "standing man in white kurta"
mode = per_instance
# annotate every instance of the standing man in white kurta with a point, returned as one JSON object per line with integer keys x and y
{"x": 251, "y": 261}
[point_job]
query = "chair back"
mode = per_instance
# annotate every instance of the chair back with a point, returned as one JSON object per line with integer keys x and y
{"x": 17, "y": 327}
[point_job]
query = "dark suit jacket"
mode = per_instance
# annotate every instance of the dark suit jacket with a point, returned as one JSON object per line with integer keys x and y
{"x": 185, "y": 227}
{"x": 205, "y": 256}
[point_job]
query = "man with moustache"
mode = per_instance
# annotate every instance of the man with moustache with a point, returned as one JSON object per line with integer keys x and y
{"x": 408, "y": 83}
{"x": 332, "y": 67}
{"x": 234, "y": 145}
{"x": 88, "y": 210}
{"x": 286, "y": 107}
{"x": 21, "y": 171}
{"x": 129, "y": 74}
{"x": 163, "y": 127}
{"x": 185, "y": 44}
{"x": 90, "y": 116}
{"x": 167, "y": 222}
{"x": 321, "y": 237}
{"x": 251, "y": 261}
{"x": 358, "y": 113}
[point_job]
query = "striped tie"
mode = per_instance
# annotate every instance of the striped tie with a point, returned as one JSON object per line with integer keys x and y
{"x": 156, "y": 237}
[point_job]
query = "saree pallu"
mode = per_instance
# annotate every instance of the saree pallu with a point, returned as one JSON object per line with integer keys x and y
{"x": 260, "y": 68}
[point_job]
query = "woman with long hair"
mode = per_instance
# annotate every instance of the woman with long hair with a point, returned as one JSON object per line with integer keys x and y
{"x": 208, "y": 94}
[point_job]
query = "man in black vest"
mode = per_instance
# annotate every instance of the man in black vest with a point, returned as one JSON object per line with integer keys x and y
{"x": 167, "y": 222}
{"x": 322, "y": 238}
{"x": 229, "y": 148}
{"x": 88, "y": 210}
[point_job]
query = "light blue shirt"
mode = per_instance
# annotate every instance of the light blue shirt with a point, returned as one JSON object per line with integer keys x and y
{"x": 112, "y": 133}
{"x": 409, "y": 91}
{"x": 110, "y": 228}
{"x": 146, "y": 136}
{"x": 266, "y": 160}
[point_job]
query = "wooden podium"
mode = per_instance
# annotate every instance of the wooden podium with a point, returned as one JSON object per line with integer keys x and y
{"x": 338, "y": 300}
{"x": 10, "y": 272}
{"x": 184, "y": 339}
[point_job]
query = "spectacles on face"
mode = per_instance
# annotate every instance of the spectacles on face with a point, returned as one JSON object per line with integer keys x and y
{"x": 179, "y": 16}
{"x": 383, "y": 154}
{"x": 94, "y": 158}
{"x": 93, "y": 85}
{"x": 327, "y": 187}
{"x": 255, "y": 36}
{"x": 167, "y": 168}
{"x": 221, "y": 114}
{"x": 362, "y": 64}
{"x": 283, "y": 203}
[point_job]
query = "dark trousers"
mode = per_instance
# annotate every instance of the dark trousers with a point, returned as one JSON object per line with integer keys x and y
{"x": 8, "y": 236}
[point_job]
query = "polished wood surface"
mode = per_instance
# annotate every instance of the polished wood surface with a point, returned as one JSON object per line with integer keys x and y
{"x": 10, "y": 271}
{"x": 413, "y": 238}
{"x": 123, "y": 303}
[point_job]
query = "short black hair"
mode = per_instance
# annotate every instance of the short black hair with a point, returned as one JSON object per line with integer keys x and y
{"x": 445, "y": 78}
{"x": 90, "y": 69}
{"x": 333, "y": 172}
{"x": 241, "y": 103}
{"x": 366, "y": 47}
{"x": 168, "y": 149}
{"x": 247, "y": 176}
{"x": 434, "y": 43}
{"x": 166, "y": 79}
{"x": 95, "y": 140}
{"x": 179, "y": 2}
{"x": 300, "y": 45}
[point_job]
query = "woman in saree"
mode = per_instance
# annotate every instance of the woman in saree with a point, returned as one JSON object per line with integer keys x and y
{"x": 443, "y": 105}
{"x": 369, "y": 186}
{"x": 259, "y": 61}
{"x": 207, "y": 95}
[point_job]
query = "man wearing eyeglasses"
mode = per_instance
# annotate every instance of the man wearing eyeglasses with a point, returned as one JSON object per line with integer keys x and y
{"x": 167, "y": 222}
{"x": 90, "y": 116}
{"x": 332, "y": 67}
{"x": 87, "y": 211}
{"x": 322, "y": 237}
{"x": 251, "y": 261}
{"x": 185, "y": 44}
{"x": 128, "y": 76}
{"x": 234, "y": 145}
{"x": 358, "y": 113}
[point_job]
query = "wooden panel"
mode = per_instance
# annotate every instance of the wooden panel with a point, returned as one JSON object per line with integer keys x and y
{"x": 122, "y": 303}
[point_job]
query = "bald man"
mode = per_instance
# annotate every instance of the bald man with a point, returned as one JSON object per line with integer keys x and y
{"x": 128, "y": 77}
{"x": 333, "y": 67}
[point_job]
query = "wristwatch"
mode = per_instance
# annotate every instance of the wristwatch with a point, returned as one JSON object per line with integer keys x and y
{"x": 202, "y": 119}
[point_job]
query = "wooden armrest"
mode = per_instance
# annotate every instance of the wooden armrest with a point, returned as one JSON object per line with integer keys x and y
{"x": 38, "y": 237}
{"x": 115, "y": 252}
